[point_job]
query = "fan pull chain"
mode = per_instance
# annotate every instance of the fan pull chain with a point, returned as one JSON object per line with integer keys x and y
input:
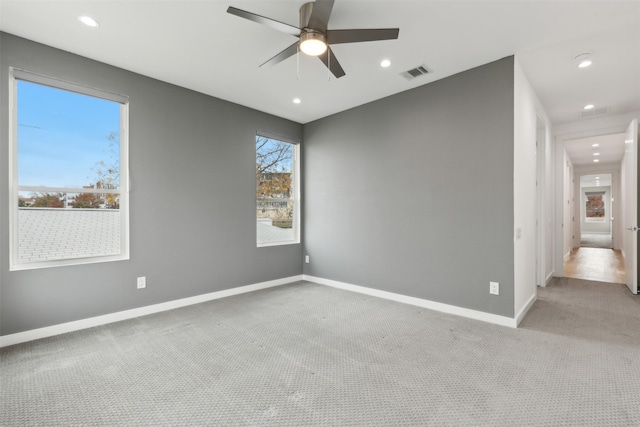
{"x": 328, "y": 64}
{"x": 298, "y": 61}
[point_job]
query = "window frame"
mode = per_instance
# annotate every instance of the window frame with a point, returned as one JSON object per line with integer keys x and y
{"x": 295, "y": 194}
{"x": 15, "y": 75}
{"x": 604, "y": 199}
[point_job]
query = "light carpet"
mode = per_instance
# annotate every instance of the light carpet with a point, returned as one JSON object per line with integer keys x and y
{"x": 305, "y": 354}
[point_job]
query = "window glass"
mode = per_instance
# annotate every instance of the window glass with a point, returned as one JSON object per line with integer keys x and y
{"x": 67, "y": 182}
{"x": 595, "y": 206}
{"x": 277, "y": 199}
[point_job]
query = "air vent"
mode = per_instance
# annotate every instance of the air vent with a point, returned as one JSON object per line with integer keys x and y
{"x": 594, "y": 112}
{"x": 416, "y": 72}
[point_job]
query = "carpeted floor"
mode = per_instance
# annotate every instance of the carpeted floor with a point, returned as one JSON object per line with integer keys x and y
{"x": 596, "y": 241}
{"x": 305, "y": 354}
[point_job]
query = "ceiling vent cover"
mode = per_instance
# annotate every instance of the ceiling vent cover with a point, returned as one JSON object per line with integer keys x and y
{"x": 416, "y": 72}
{"x": 594, "y": 112}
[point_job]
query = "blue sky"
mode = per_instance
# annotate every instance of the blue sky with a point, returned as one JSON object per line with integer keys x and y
{"x": 62, "y": 135}
{"x": 284, "y": 165}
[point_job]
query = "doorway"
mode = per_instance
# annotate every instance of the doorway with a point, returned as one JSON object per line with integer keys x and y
{"x": 596, "y": 211}
{"x": 594, "y": 251}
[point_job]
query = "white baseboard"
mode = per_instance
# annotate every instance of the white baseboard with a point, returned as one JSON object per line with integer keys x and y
{"x": 432, "y": 305}
{"x": 526, "y": 308}
{"x": 77, "y": 325}
{"x": 549, "y": 277}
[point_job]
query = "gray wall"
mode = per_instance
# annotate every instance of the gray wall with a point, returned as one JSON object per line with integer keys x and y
{"x": 413, "y": 193}
{"x": 192, "y": 204}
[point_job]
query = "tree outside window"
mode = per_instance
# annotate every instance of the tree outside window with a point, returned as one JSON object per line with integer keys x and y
{"x": 276, "y": 199}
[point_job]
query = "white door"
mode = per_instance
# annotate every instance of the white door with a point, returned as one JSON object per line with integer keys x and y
{"x": 631, "y": 206}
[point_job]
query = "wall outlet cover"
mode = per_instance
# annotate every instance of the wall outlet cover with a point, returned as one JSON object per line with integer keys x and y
{"x": 494, "y": 288}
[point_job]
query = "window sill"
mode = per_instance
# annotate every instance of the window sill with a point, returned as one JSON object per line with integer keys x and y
{"x": 67, "y": 262}
{"x": 268, "y": 244}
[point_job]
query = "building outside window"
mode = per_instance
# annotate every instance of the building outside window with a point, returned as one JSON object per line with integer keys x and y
{"x": 595, "y": 206}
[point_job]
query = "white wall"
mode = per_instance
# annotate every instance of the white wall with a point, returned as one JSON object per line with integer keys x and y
{"x": 548, "y": 219}
{"x": 570, "y": 197}
{"x": 527, "y": 112}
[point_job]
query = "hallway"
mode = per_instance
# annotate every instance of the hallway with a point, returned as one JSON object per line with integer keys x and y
{"x": 603, "y": 265}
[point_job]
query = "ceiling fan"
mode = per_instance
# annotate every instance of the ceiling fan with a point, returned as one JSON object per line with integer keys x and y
{"x": 314, "y": 38}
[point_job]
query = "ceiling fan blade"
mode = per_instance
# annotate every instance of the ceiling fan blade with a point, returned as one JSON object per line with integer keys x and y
{"x": 331, "y": 62}
{"x": 320, "y": 14}
{"x": 355, "y": 36}
{"x": 288, "y": 52}
{"x": 276, "y": 25}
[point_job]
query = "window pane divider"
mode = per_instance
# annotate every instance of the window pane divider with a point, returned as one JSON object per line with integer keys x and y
{"x": 68, "y": 190}
{"x": 277, "y": 199}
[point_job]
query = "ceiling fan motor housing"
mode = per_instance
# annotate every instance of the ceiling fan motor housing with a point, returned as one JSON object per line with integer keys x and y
{"x": 305, "y": 14}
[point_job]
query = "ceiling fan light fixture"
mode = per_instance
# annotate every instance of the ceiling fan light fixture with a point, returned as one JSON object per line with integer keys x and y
{"x": 313, "y": 43}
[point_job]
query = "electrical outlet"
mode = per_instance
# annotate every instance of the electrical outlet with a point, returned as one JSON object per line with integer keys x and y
{"x": 494, "y": 288}
{"x": 306, "y": 259}
{"x": 142, "y": 282}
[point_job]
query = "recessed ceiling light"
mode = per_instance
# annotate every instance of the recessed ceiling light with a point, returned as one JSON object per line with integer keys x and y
{"x": 385, "y": 63}
{"x": 589, "y": 106}
{"x": 596, "y": 154}
{"x": 595, "y": 160}
{"x": 628, "y": 141}
{"x": 88, "y": 21}
{"x": 297, "y": 100}
{"x": 585, "y": 63}
{"x": 595, "y": 145}
{"x": 597, "y": 177}
{"x": 583, "y": 60}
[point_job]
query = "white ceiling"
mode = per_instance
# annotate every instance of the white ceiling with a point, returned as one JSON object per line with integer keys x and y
{"x": 610, "y": 149}
{"x": 197, "y": 45}
{"x": 597, "y": 180}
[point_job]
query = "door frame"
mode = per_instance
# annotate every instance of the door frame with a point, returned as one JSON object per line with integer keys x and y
{"x": 542, "y": 130}
{"x": 559, "y": 185}
{"x": 610, "y": 169}
{"x": 631, "y": 223}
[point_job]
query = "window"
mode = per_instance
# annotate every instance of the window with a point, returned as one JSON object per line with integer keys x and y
{"x": 277, "y": 191}
{"x": 69, "y": 185}
{"x": 595, "y": 206}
